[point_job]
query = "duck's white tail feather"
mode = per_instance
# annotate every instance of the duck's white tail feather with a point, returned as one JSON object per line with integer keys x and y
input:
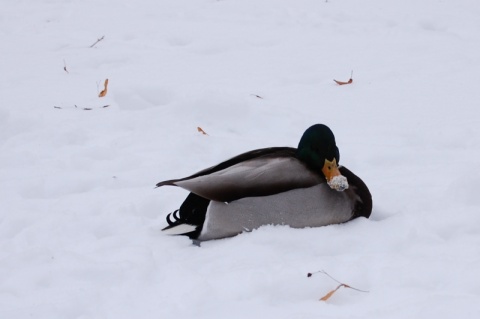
{"x": 180, "y": 229}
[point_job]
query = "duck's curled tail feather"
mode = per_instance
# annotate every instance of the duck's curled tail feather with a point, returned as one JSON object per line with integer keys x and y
{"x": 189, "y": 218}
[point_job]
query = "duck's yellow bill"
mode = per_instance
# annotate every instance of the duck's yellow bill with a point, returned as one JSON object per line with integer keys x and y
{"x": 330, "y": 169}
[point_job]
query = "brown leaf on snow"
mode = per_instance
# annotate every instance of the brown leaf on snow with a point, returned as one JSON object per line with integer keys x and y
{"x": 104, "y": 92}
{"x": 343, "y": 83}
{"x": 348, "y": 82}
{"x": 327, "y": 296}
{"x": 199, "y": 129}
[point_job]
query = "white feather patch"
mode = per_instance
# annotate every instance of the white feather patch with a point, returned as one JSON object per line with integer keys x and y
{"x": 180, "y": 229}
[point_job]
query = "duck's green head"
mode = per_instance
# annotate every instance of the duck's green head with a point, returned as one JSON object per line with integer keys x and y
{"x": 318, "y": 150}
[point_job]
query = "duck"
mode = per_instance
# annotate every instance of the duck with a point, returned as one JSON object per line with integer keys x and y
{"x": 299, "y": 187}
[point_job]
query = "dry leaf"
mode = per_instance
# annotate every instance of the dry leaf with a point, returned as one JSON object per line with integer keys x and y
{"x": 348, "y": 82}
{"x": 343, "y": 83}
{"x": 327, "y": 296}
{"x": 201, "y": 131}
{"x": 104, "y": 92}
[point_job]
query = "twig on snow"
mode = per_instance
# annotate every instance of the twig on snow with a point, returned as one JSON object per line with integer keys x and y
{"x": 98, "y": 40}
{"x": 330, "y": 293}
{"x": 83, "y": 108}
{"x": 65, "y": 66}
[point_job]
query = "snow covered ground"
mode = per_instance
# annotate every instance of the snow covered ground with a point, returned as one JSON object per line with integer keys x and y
{"x": 80, "y": 220}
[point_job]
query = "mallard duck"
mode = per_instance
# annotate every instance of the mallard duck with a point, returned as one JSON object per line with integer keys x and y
{"x": 300, "y": 187}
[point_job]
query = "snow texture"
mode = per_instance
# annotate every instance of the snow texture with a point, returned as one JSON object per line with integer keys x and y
{"x": 339, "y": 183}
{"x": 80, "y": 219}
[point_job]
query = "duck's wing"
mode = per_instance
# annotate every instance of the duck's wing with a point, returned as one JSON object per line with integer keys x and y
{"x": 260, "y": 172}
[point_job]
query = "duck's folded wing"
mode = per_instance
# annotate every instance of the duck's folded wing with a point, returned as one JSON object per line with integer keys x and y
{"x": 270, "y": 152}
{"x": 261, "y": 176}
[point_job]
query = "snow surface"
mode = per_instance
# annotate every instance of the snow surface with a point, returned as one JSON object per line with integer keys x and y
{"x": 339, "y": 183}
{"x": 80, "y": 219}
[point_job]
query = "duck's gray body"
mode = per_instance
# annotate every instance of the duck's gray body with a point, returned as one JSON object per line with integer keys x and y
{"x": 263, "y": 187}
{"x": 297, "y": 208}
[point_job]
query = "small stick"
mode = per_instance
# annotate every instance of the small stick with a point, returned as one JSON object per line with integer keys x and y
{"x": 83, "y": 108}
{"x": 98, "y": 40}
{"x": 330, "y": 293}
{"x": 65, "y": 66}
{"x": 325, "y": 273}
{"x": 257, "y": 96}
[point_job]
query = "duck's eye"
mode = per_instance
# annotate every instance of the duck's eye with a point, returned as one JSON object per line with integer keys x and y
{"x": 329, "y": 168}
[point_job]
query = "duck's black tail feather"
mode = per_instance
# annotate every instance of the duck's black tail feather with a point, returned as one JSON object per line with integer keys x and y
{"x": 189, "y": 218}
{"x": 175, "y": 215}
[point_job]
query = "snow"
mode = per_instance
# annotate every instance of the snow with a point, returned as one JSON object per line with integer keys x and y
{"x": 339, "y": 183}
{"x": 80, "y": 219}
